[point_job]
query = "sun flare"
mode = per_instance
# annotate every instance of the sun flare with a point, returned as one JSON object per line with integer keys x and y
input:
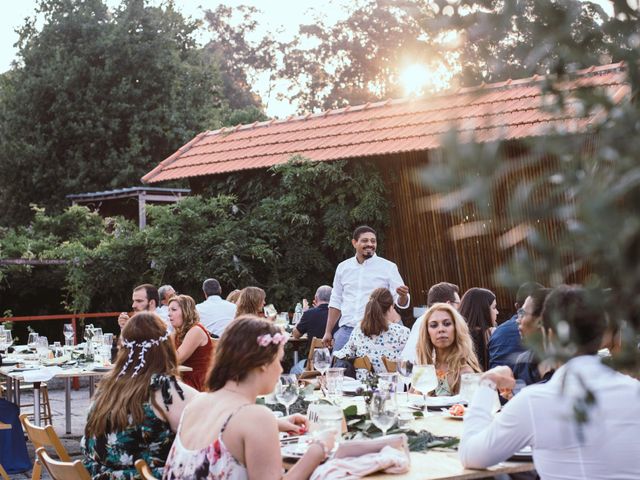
{"x": 418, "y": 79}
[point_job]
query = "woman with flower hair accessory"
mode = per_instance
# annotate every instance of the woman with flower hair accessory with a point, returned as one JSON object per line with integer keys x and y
{"x": 192, "y": 340}
{"x": 224, "y": 434}
{"x": 137, "y": 407}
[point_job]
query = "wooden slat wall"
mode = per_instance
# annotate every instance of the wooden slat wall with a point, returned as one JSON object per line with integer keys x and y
{"x": 419, "y": 242}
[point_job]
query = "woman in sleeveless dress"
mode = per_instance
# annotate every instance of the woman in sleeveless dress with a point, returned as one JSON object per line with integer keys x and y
{"x": 478, "y": 308}
{"x": 137, "y": 407}
{"x": 445, "y": 342}
{"x": 224, "y": 434}
{"x": 192, "y": 340}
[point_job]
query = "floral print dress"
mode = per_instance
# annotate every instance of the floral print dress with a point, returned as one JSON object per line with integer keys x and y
{"x": 112, "y": 456}
{"x": 213, "y": 462}
{"x": 388, "y": 344}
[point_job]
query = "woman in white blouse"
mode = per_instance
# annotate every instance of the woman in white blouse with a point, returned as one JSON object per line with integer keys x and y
{"x": 378, "y": 334}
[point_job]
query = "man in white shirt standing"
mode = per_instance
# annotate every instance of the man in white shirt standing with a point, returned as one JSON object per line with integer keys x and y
{"x": 582, "y": 424}
{"x": 354, "y": 281}
{"x": 215, "y": 313}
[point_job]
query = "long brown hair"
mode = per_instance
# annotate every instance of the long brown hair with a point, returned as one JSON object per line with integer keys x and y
{"x": 461, "y": 354}
{"x": 475, "y": 307}
{"x": 374, "y": 321}
{"x": 190, "y": 315}
{"x": 119, "y": 398}
{"x": 238, "y": 351}
{"x": 250, "y": 301}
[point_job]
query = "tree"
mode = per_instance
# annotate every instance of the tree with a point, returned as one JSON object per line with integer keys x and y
{"x": 498, "y": 40}
{"x": 97, "y": 98}
{"x": 587, "y": 186}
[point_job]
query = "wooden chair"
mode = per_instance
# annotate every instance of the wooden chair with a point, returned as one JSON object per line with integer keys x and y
{"x": 61, "y": 470}
{"x": 42, "y": 437}
{"x": 144, "y": 469}
{"x": 3, "y": 472}
{"x": 390, "y": 365}
{"x": 309, "y": 371}
{"x": 362, "y": 363}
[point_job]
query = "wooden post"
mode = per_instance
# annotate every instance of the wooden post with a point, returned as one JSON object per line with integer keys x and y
{"x": 142, "y": 211}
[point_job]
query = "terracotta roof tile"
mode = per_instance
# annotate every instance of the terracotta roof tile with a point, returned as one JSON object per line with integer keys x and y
{"x": 505, "y": 110}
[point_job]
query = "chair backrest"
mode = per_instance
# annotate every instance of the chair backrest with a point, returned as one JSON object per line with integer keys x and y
{"x": 62, "y": 470}
{"x": 362, "y": 363}
{"x": 390, "y": 365}
{"x": 313, "y": 344}
{"x": 144, "y": 470}
{"x": 44, "y": 437}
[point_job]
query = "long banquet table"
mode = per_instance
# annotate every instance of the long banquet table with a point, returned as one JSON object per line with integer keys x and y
{"x": 440, "y": 463}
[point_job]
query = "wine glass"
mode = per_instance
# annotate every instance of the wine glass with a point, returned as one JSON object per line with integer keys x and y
{"x": 382, "y": 411}
{"x": 405, "y": 370}
{"x": 321, "y": 360}
{"x": 5, "y": 340}
{"x": 33, "y": 340}
{"x": 424, "y": 378}
{"x": 67, "y": 330}
{"x": 287, "y": 390}
{"x": 88, "y": 332}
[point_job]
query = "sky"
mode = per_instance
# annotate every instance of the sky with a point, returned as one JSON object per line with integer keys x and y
{"x": 281, "y": 17}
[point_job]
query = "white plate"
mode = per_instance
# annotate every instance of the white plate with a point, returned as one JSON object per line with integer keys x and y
{"x": 435, "y": 402}
{"x": 100, "y": 368}
{"x": 294, "y": 448}
{"x": 351, "y": 385}
{"x": 447, "y": 414}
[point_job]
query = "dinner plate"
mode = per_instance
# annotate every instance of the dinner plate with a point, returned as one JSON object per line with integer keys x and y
{"x": 293, "y": 447}
{"x": 447, "y": 414}
{"x": 435, "y": 403}
{"x": 351, "y": 386}
{"x": 100, "y": 368}
{"x": 525, "y": 454}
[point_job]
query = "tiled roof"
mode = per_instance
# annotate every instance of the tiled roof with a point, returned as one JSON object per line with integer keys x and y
{"x": 505, "y": 110}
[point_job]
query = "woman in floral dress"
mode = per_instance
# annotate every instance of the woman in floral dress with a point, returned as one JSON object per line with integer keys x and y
{"x": 446, "y": 343}
{"x": 378, "y": 334}
{"x": 137, "y": 407}
{"x": 224, "y": 434}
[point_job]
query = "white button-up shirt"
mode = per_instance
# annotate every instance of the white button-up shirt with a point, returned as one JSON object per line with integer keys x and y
{"x": 607, "y": 446}
{"x": 163, "y": 312}
{"x": 354, "y": 282}
{"x": 216, "y": 313}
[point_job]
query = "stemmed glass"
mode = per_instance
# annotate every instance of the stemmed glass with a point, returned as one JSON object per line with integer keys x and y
{"x": 405, "y": 370}
{"x": 382, "y": 411}
{"x": 287, "y": 390}
{"x": 424, "y": 378}
{"x": 5, "y": 340}
{"x": 321, "y": 361}
{"x": 67, "y": 330}
{"x": 33, "y": 340}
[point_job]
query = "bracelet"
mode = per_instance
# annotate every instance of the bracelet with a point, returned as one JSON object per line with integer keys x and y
{"x": 485, "y": 382}
{"x": 321, "y": 444}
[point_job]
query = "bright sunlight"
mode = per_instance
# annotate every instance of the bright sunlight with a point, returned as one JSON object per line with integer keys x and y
{"x": 417, "y": 79}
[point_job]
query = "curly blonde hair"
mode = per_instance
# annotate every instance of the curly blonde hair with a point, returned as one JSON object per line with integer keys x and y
{"x": 461, "y": 354}
{"x": 189, "y": 314}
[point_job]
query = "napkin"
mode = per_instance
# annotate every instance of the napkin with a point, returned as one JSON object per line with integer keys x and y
{"x": 389, "y": 459}
{"x": 41, "y": 374}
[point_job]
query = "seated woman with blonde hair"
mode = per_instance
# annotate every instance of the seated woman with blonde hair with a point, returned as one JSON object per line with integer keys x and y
{"x": 137, "y": 407}
{"x": 251, "y": 302}
{"x": 192, "y": 340}
{"x": 224, "y": 433}
{"x": 446, "y": 343}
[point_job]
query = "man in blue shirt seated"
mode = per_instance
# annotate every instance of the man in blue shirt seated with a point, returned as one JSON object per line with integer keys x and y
{"x": 505, "y": 344}
{"x": 314, "y": 320}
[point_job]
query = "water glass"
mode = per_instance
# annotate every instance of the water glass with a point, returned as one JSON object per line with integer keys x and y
{"x": 330, "y": 417}
{"x": 388, "y": 382}
{"x": 287, "y": 390}
{"x": 334, "y": 380}
{"x": 42, "y": 347}
{"x": 5, "y": 340}
{"x": 57, "y": 350}
{"x": 468, "y": 385}
{"x": 382, "y": 411}
{"x": 405, "y": 417}
{"x": 33, "y": 340}
{"x": 424, "y": 378}
{"x": 67, "y": 330}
